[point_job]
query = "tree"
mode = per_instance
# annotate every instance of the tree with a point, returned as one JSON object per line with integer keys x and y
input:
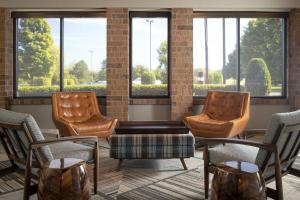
{"x": 262, "y": 39}
{"x": 80, "y": 71}
{"x": 163, "y": 54}
{"x": 215, "y": 77}
{"x": 138, "y": 71}
{"x": 258, "y": 79}
{"x": 37, "y": 56}
{"x": 102, "y": 73}
{"x": 148, "y": 77}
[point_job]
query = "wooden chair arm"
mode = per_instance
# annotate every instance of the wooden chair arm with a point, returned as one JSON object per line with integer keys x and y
{"x": 39, "y": 144}
{"x": 248, "y": 133}
{"x": 50, "y": 133}
{"x": 209, "y": 141}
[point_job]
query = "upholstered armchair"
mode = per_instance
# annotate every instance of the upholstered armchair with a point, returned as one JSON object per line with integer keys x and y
{"x": 28, "y": 150}
{"x": 274, "y": 156}
{"x": 225, "y": 114}
{"x": 77, "y": 113}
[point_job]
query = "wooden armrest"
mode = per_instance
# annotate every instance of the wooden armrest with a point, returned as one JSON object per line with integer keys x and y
{"x": 50, "y": 133}
{"x": 248, "y": 133}
{"x": 208, "y": 141}
{"x": 39, "y": 144}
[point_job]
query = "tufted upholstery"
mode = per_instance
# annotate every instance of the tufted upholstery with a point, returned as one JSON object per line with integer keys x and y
{"x": 77, "y": 113}
{"x": 225, "y": 114}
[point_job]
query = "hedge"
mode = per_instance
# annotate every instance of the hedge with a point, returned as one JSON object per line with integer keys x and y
{"x": 27, "y": 91}
{"x": 137, "y": 90}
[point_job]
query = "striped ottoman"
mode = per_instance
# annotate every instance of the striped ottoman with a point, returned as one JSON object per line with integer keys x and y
{"x": 152, "y": 146}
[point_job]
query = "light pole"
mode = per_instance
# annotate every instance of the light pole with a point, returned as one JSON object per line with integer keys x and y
{"x": 91, "y": 52}
{"x": 150, "y": 23}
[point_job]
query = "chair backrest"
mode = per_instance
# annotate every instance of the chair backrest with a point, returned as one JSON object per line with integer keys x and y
{"x": 222, "y": 105}
{"x": 74, "y": 106}
{"x": 18, "y": 130}
{"x": 284, "y": 131}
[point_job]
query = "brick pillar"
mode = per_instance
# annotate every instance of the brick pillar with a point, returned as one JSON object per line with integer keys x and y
{"x": 6, "y": 57}
{"x": 294, "y": 59}
{"x": 117, "y": 63}
{"x": 181, "y": 63}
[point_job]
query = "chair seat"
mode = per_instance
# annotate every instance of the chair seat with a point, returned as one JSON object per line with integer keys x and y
{"x": 71, "y": 150}
{"x": 94, "y": 126}
{"x": 232, "y": 152}
{"x": 203, "y": 126}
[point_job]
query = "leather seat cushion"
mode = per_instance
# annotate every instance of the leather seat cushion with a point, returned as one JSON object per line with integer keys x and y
{"x": 92, "y": 126}
{"x": 204, "y": 126}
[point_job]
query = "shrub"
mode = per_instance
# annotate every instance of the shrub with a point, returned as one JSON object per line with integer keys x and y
{"x": 148, "y": 77}
{"x": 162, "y": 75}
{"x": 258, "y": 78}
{"x": 69, "y": 81}
{"x": 201, "y": 89}
{"x": 27, "y": 91}
{"x": 41, "y": 81}
{"x": 149, "y": 90}
{"x": 215, "y": 77}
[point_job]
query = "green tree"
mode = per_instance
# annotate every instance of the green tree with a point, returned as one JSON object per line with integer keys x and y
{"x": 80, "y": 71}
{"x": 215, "y": 77}
{"x": 37, "y": 56}
{"x": 148, "y": 77}
{"x": 138, "y": 71}
{"x": 162, "y": 75}
{"x": 262, "y": 39}
{"x": 163, "y": 55}
{"x": 102, "y": 73}
{"x": 258, "y": 79}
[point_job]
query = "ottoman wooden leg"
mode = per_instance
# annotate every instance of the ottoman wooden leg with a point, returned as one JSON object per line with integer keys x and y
{"x": 183, "y": 163}
{"x": 120, "y": 163}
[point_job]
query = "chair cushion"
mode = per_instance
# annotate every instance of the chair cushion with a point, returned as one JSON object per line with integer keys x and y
{"x": 225, "y": 106}
{"x": 93, "y": 125}
{"x": 72, "y": 150}
{"x": 231, "y": 152}
{"x": 10, "y": 117}
{"x": 277, "y": 120}
{"x": 203, "y": 126}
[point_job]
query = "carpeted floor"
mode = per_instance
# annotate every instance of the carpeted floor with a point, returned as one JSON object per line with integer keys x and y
{"x": 145, "y": 179}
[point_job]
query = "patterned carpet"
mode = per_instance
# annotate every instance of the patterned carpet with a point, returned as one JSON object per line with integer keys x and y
{"x": 145, "y": 179}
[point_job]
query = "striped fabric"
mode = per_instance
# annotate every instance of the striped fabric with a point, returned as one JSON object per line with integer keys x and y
{"x": 144, "y": 146}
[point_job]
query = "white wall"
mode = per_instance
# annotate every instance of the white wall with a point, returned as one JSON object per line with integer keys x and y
{"x": 259, "y": 115}
{"x": 197, "y": 4}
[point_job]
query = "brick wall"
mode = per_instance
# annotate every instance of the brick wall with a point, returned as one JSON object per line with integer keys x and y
{"x": 294, "y": 59}
{"x": 117, "y": 63}
{"x": 181, "y": 62}
{"x": 6, "y": 55}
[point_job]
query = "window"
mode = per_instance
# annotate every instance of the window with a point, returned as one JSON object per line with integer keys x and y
{"x": 149, "y": 54}
{"x": 239, "y": 53}
{"x": 59, "y": 53}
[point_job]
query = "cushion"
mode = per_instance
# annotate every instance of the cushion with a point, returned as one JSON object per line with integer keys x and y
{"x": 10, "y": 117}
{"x": 92, "y": 125}
{"x": 72, "y": 150}
{"x": 152, "y": 140}
{"x": 225, "y": 106}
{"x": 277, "y": 120}
{"x": 231, "y": 152}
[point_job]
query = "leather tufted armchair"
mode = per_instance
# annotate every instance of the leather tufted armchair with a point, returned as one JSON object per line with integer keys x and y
{"x": 225, "y": 114}
{"x": 77, "y": 113}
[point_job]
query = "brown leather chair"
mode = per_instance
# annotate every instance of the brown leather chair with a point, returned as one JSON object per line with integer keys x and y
{"x": 77, "y": 113}
{"x": 225, "y": 114}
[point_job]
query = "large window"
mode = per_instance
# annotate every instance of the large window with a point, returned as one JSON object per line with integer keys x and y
{"x": 59, "y": 53}
{"x": 149, "y": 54}
{"x": 237, "y": 53}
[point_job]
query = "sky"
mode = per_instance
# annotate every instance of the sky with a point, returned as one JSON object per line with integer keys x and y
{"x": 85, "y": 39}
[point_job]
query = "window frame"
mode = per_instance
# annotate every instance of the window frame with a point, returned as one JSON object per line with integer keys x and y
{"x": 149, "y": 14}
{"x": 248, "y": 14}
{"x": 61, "y": 15}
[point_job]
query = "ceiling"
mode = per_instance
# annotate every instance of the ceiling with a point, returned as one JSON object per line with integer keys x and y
{"x": 237, "y": 5}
